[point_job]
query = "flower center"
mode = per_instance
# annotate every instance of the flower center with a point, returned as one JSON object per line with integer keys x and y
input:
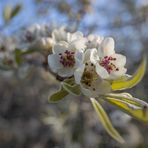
{"x": 89, "y": 75}
{"x": 67, "y": 58}
{"x": 107, "y": 63}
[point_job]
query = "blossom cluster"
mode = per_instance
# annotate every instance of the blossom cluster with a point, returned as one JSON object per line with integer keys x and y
{"x": 90, "y": 65}
{"x": 91, "y": 60}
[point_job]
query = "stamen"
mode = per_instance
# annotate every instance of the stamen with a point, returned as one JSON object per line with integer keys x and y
{"x": 94, "y": 89}
{"x": 67, "y": 58}
{"x": 89, "y": 75}
{"x": 106, "y": 62}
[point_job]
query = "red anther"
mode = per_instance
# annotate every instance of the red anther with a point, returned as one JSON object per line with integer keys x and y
{"x": 107, "y": 64}
{"x": 67, "y": 59}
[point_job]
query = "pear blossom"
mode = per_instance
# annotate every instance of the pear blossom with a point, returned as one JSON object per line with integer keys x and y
{"x": 92, "y": 85}
{"x": 44, "y": 43}
{"x": 109, "y": 65}
{"x": 65, "y": 59}
{"x": 68, "y": 49}
{"x": 62, "y": 35}
{"x": 94, "y": 41}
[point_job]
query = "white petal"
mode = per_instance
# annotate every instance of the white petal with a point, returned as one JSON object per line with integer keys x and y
{"x": 75, "y": 36}
{"x": 94, "y": 41}
{"x": 87, "y": 55}
{"x": 78, "y": 74}
{"x": 120, "y": 60}
{"x": 59, "y": 34}
{"x": 53, "y": 61}
{"x": 66, "y": 72}
{"x": 87, "y": 92}
{"x": 79, "y": 57}
{"x": 60, "y": 47}
{"x": 102, "y": 87}
{"x": 91, "y": 37}
{"x": 101, "y": 71}
{"x": 117, "y": 74}
{"x": 94, "y": 58}
{"x": 108, "y": 46}
{"x": 78, "y": 44}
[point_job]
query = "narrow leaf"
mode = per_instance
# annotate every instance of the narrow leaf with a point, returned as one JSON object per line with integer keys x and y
{"x": 134, "y": 80}
{"x": 59, "y": 95}
{"x": 16, "y": 10}
{"x": 127, "y": 98}
{"x": 134, "y": 107}
{"x": 10, "y": 12}
{"x": 105, "y": 121}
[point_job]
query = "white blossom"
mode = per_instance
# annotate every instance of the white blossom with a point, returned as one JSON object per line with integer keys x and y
{"x": 109, "y": 65}
{"x": 94, "y": 41}
{"x": 68, "y": 49}
{"x": 62, "y": 35}
{"x": 65, "y": 59}
{"x": 86, "y": 76}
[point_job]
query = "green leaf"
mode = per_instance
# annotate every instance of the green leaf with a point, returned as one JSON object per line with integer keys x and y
{"x": 134, "y": 80}
{"x": 30, "y": 51}
{"x": 19, "y": 53}
{"x": 59, "y": 95}
{"x": 72, "y": 89}
{"x": 132, "y": 106}
{"x": 9, "y": 12}
{"x": 105, "y": 121}
{"x": 16, "y": 10}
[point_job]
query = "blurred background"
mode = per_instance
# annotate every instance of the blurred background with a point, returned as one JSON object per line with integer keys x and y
{"x": 27, "y": 120}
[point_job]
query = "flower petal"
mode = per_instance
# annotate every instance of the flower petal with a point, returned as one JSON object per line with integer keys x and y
{"x": 78, "y": 44}
{"x": 75, "y": 36}
{"x": 53, "y": 61}
{"x": 120, "y": 60}
{"x": 78, "y": 74}
{"x": 79, "y": 56}
{"x": 117, "y": 74}
{"x": 107, "y": 47}
{"x": 59, "y": 34}
{"x": 86, "y": 92}
{"x": 98, "y": 87}
{"x": 60, "y": 47}
{"x": 66, "y": 72}
{"x": 101, "y": 71}
{"x": 94, "y": 58}
{"x": 101, "y": 87}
